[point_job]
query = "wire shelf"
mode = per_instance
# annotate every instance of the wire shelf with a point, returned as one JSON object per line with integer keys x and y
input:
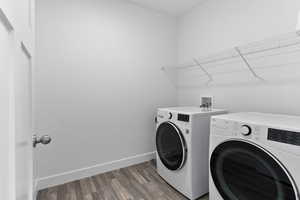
{"x": 272, "y": 59}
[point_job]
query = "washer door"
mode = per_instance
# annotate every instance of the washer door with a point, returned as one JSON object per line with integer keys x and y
{"x": 245, "y": 171}
{"x": 170, "y": 146}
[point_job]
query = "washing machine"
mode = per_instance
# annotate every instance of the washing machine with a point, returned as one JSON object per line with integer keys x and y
{"x": 254, "y": 156}
{"x": 182, "y": 137}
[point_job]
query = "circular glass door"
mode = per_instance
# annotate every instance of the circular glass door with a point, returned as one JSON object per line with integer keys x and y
{"x": 170, "y": 146}
{"x": 244, "y": 171}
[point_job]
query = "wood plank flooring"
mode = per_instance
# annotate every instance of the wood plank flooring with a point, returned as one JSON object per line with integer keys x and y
{"x": 138, "y": 182}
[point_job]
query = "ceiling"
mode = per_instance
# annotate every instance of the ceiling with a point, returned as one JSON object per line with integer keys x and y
{"x": 173, "y": 7}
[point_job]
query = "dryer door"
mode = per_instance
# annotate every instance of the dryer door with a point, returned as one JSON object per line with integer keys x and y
{"x": 170, "y": 146}
{"x": 245, "y": 171}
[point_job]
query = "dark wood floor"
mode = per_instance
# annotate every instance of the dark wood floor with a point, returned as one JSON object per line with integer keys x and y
{"x": 138, "y": 182}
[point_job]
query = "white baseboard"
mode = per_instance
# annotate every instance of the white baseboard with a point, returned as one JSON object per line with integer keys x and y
{"x": 73, "y": 175}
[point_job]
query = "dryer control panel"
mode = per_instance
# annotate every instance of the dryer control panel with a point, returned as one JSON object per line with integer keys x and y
{"x": 283, "y": 136}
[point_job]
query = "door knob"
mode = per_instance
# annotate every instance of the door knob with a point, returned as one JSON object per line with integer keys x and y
{"x": 45, "y": 139}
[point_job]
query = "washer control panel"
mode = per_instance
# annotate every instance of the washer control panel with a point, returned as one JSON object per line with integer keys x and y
{"x": 236, "y": 129}
{"x": 183, "y": 117}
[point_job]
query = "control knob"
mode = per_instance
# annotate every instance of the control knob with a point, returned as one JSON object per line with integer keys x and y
{"x": 246, "y": 130}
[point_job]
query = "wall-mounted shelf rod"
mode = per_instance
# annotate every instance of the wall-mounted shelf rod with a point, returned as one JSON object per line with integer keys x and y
{"x": 248, "y": 64}
{"x": 204, "y": 70}
{"x": 237, "y": 56}
{"x": 272, "y": 48}
{"x": 242, "y": 70}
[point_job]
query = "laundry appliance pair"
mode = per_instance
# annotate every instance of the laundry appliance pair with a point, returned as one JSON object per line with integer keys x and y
{"x": 245, "y": 156}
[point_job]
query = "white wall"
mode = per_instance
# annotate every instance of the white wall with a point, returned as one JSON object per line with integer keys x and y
{"x": 98, "y": 82}
{"x": 217, "y": 25}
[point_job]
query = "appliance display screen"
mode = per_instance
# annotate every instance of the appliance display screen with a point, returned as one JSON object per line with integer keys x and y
{"x": 182, "y": 117}
{"x": 283, "y": 136}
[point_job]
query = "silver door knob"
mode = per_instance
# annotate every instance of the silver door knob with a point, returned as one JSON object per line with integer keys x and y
{"x": 45, "y": 139}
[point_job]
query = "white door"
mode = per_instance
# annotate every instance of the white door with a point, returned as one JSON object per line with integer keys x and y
{"x": 23, "y": 124}
{"x": 16, "y": 169}
{"x": 6, "y": 57}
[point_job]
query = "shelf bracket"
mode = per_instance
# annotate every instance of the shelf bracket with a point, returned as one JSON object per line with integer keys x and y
{"x": 204, "y": 70}
{"x": 248, "y": 64}
{"x": 6, "y": 22}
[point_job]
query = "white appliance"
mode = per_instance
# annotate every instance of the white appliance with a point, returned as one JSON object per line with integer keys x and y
{"x": 254, "y": 156}
{"x": 182, "y": 137}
